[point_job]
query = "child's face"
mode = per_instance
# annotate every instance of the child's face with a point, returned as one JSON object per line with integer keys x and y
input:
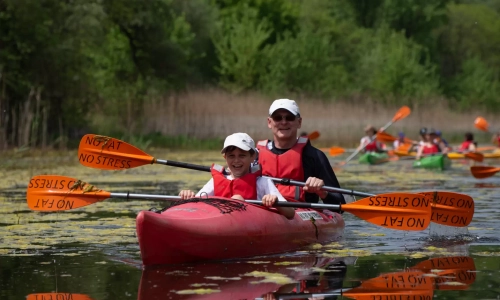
{"x": 239, "y": 161}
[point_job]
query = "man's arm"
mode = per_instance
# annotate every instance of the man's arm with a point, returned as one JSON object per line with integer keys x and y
{"x": 316, "y": 164}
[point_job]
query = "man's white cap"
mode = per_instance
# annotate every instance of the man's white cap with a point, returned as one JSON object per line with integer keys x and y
{"x": 287, "y": 104}
{"x": 240, "y": 140}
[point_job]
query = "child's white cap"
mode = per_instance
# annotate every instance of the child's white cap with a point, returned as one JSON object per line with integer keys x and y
{"x": 240, "y": 140}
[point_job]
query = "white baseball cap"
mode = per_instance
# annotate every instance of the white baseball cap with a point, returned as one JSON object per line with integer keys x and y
{"x": 287, "y": 104}
{"x": 240, "y": 140}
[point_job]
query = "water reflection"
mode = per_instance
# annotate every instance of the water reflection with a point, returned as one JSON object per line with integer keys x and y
{"x": 247, "y": 279}
{"x": 303, "y": 277}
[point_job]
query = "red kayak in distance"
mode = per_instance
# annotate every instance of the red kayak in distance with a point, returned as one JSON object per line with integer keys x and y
{"x": 204, "y": 229}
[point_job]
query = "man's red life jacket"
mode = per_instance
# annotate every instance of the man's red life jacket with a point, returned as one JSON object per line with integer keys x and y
{"x": 287, "y": 165}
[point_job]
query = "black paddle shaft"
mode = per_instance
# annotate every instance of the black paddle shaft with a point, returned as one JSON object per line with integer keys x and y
{"x": 283, "y": 181}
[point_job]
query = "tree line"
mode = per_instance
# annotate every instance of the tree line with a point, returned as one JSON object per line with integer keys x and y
{"x": 62, "y": 60}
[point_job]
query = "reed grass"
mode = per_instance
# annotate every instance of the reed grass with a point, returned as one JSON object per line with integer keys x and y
{"x": 211, "y": 115}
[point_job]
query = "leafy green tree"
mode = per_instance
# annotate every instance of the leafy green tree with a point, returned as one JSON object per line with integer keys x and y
{"x": 392, "y": 68}
{"x": 238, "y": 41}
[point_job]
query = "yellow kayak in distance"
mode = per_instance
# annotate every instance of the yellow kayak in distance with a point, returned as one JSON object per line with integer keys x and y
{"x": 452, "y": 155}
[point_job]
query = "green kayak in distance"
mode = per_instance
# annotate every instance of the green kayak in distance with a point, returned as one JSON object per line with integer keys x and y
{"x": 439, "y": 162}
{"x": 373, "y": 158}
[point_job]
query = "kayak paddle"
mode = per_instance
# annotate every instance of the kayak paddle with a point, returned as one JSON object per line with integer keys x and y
{"x": 486, "y": 148}
{"x": 313, "y": 135}
{"x": 57, "y": 296}
{"x": 334, "y": 151}
{"x": 108, "y": 153}
{"x": 384, "y": 137}
{"x": 482, "y": 124}
{"x": 401, "y": 211}
{"x": 449, "y": 269}
{"x": 402, "y": 113}
{"x": 483, "y": 171}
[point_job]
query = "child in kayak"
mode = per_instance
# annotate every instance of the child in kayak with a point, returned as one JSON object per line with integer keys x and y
{"x": 436, "y": 140}
{"x": 400, "y": 141}
{"x": 243, "y": 181}
{"x": 426, "y": 146}
{"x": 369, "y": 142}
{"x": 468, "y": 145}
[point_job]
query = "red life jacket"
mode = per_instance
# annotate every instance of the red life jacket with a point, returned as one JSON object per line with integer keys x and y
{"x": 498, "y": 141}
{"x": 287, "y": 165}
{"x": 465, "y": 145}
{"x": 246, "y": 186}
{"x": 430, "y": 149}
{"x": 373, "y": 146}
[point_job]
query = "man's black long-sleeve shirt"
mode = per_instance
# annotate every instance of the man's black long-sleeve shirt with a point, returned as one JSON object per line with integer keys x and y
{"x": 315, "y": 164}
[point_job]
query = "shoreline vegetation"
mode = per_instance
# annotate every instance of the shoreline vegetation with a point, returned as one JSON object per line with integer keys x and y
{"x": 177, "y": 73}
{"x": 201, "y": 119}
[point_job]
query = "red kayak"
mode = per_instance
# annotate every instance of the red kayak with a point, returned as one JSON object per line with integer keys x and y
{"x": 242, "y": 279}
{"x": 214, "y": 229}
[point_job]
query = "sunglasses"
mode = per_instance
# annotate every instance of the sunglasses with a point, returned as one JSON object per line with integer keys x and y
{"x": 288, "y": 118}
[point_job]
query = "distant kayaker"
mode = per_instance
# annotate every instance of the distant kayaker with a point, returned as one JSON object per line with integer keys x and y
{"x": 440, "y": 137}
{"x": 495, "y": 139}
{"x": 244, "y": 181}
{"x": 438, "y": 141}
{"x": 469, "y": 145}
{"x": 369, "y": 142}
{"x": 426, "y": 146}
{"x": 400, "y": 141}
{"x": 287, "y": 156}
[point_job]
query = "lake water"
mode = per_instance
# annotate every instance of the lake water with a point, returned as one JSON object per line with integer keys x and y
{"x": 92, "y": 252}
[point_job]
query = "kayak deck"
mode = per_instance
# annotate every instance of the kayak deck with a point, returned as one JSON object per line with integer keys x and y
{"x": 198, "y": 231}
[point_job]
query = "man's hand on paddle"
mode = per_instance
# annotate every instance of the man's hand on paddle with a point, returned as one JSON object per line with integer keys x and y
{"x": 314, "y": 185}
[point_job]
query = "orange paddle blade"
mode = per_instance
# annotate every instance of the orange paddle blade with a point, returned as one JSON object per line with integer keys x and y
{"x": 486, "y": 148}
{"x": 399, "y": 285}
{"x": 55, "y": 193}
{"x": 367, "y": 294}
{"x": 384, "y": 137}
{"x": 402, "y": 113}
{"x": 400, "y": 211}
{"x": 399, "y": 281}
{"x": 313, "y": 135}
{"x": 56, "y": 296}
{"x": 481, "y": 124}
{"x": 452, "y": 209}
{"x": 459, "y": 269}
{"x": 446, "y": 263}
{"x": 475, "y": 156}
{"x": 336, "y": 151}
{"x": 483, "y": 171}
{"x": 102, "y": 152}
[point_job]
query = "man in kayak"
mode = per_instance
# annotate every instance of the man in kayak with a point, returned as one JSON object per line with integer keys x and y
{"x": 287, "y": 156}
{"x": 369, "y": 142}
{"x": 243, "y": 181}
